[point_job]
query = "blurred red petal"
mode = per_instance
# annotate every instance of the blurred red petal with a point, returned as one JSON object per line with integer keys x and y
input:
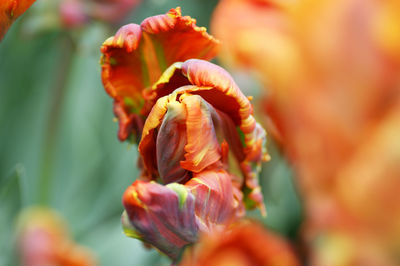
{"x": 244, "y": 245}
{"x": 43, "y": 239}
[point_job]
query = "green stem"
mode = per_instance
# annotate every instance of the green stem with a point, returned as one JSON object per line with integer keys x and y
{"x": 60, "y": 82}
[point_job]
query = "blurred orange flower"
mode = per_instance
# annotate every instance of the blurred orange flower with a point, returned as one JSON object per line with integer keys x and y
{"x": 201, "y": 141}
{"x": 10, "y": 10}
{"x": 138, "y": 54}
{"x": 246, "y": 244}
{"x": 258, "y": 41}
{"x": 332, "y": 73}
{"x": 44, "y": 240}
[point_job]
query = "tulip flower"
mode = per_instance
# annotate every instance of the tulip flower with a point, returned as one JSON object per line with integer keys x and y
{"x": 137, "y": 55}
{"x": 217, "y": 118}
{"x": 244, "y": 244}
{"x": 10, "y": 10}
{"x": 201, "y": 150}
{"x": 332, "y": 72}
{"x": 43, "y": 240}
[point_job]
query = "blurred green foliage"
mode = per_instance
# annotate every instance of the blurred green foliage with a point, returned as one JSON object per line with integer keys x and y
{"x": 58, "y": 143}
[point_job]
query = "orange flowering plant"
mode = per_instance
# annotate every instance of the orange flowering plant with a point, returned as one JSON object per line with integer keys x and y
{"x": 10, "y": 10}
{"x": 200, "y": 147}
{"x": 331, "y": 69}
{"x": 43, "y": 239}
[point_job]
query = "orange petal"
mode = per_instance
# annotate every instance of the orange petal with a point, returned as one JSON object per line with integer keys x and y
{"x": 10, "y": 10}
{"x": 228, "y": 136}
{"x": 171, "y": 141}
{"x": 129, "y": 123}
{"x": 121, "y": 67}
{"x": 217, "y": 201}
{"x": 122, "y": 75}
{"x": 178, "y": 38}
{"x": 202, "y": 148}
{"x": 147, "y": 146}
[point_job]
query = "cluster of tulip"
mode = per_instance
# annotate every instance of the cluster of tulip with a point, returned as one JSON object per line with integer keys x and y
{"x": 331, "y": 73}
{"x": 200, "y": 147}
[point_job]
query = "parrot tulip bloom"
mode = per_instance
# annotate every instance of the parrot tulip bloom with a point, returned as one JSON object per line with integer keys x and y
{"x": 44, "y": 240}
{"x": 215, "y": 120}
{"x": 137, "y": 55}
{"x": 204, "y": 147}
{"x": 245, "y": 244}
{"x": 10, "y": 10}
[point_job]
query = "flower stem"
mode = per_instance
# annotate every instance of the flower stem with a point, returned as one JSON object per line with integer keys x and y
{"x": 58, "y": 90}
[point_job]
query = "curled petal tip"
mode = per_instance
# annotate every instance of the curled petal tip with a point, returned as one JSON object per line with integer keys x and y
{"x": 127, "y": 37}
{"x": 175, "y": 12}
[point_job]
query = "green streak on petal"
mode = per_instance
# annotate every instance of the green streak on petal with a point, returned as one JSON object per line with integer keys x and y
{"x": 112, "y": 61}
{"x": 128, "y": 101}
{"x": 160, "y": 55}
{"x": 135, "y": 106}
{"x": 241, "y": 136}
{"x": 145, "y": 71}
{"x": 248, "y": 203}
{"x": 180, "y": 191}
{"x": 129, "y": 230}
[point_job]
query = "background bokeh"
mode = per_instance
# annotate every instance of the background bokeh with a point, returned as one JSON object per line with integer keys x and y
{"x": 58, "y": 141}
